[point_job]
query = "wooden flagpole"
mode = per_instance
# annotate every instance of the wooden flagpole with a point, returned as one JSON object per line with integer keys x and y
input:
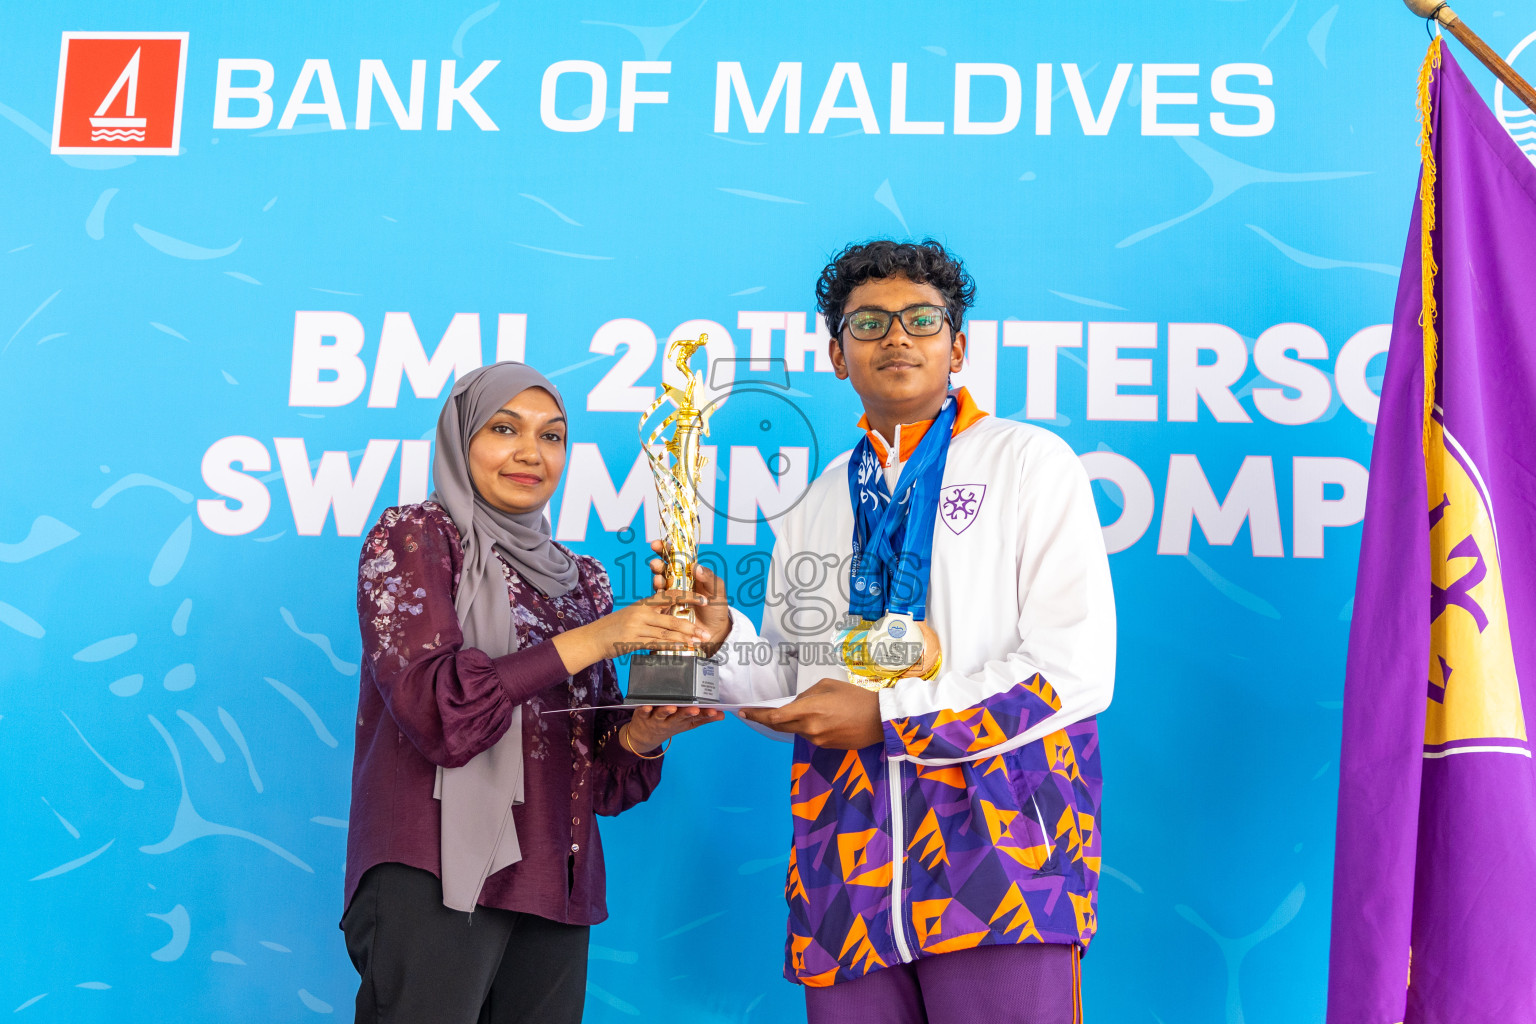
{"x": 1442, "y": 13}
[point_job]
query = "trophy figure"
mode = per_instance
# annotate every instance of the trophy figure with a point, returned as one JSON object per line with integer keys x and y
{"x": 676, "y": 676}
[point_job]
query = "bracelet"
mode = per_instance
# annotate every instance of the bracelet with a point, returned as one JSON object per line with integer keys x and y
{"x": 624, "y": 739}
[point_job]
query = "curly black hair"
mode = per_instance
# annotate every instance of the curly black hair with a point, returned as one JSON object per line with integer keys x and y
{"x": 925, "y": 262}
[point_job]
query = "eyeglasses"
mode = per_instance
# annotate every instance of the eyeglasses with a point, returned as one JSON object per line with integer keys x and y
{"x": 921, "y": 321}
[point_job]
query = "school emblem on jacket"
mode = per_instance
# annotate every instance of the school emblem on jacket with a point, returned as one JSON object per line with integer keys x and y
{"x": 959, "y": 504}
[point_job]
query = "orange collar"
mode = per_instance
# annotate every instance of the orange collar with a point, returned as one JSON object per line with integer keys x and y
{"x": 909, "y": 434}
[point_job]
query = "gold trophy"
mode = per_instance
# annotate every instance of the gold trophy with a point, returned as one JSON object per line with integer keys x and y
{"x": 677, "y": 676}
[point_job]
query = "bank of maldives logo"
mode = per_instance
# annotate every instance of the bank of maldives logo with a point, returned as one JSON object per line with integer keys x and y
{"x": 120, "y": 92}
{"x": 1517, "y": 120}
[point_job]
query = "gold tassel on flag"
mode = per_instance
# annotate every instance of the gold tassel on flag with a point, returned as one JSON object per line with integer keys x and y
{"x": 1426, "y": 234}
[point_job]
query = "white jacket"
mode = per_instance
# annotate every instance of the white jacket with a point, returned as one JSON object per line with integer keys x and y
{"x": 1019, "y": 585}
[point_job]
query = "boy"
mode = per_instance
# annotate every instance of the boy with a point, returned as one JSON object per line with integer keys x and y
{"x": 945, "y": 806}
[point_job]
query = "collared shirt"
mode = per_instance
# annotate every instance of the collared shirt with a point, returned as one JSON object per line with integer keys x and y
{"x": 893, "y": 454}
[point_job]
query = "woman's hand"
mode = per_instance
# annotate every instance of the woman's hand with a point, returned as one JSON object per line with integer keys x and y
{"x": 650, "y": 727}
{"x": 646, "y": 625}
{"x": 650, "y": 625}
{"x": 713, "y": 613}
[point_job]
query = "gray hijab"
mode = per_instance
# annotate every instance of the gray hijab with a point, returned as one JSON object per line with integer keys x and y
{"x": 478, "y": 836}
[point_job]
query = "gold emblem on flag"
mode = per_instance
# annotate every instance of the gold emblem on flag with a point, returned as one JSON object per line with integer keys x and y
{"x": 1473, "y": 690}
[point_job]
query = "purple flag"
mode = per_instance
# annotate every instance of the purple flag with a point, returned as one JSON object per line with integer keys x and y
{"x": 1434, "y": 902}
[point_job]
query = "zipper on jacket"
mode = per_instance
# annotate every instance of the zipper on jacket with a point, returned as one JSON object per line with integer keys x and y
{"x": 898, "y": 861}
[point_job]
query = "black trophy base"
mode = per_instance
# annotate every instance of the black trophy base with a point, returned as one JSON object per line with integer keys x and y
{"x": 663, "y": 678}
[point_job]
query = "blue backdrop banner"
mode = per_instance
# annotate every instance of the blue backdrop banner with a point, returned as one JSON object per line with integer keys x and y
{"x": 245, "y": 248}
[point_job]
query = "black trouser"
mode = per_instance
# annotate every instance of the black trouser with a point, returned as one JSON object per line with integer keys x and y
{"x": 422, "y": 963}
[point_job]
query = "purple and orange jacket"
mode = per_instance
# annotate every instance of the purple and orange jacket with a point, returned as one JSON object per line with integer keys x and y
{"x": 977, "y": 821}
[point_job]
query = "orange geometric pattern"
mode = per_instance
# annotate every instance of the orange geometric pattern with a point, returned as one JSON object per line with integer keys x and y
{"x": 1021, "y": 921}
{"x": 1083, "y": 906}
{"x": 794, "y": 888}
{"x": 796, "y": 773}
{"x": 1075, "y": 826}
{"x": 1037, "y": 685}
{"x": 985, "y": 732}
{"x": 798, "y": 944}
{"x": 926, "y": 917}
{"x": 950, "y": 775}
{"x": 997, "y": 821}
{"x": 852, "y": 851}
{"x": 913, "y": 736}
{"x": 999, "y": 827}
{"x": 810, "y": 807}
{"x": 858, "y": 778}
{"x": 1033, "y": 857}
{"x": 821, "y": 980}
{"x": 952, "y": 734}
{"x": 933, "y": 853}
{"x": 1059, "y": 755}
{"x": 996, "y": 847}
{"x": 865, "y": 958}
{"x": 970, "y": 940}
{"x": 927, "y": 921}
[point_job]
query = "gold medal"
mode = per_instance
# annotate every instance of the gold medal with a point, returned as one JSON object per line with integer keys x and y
{"x": 876, "y": 654}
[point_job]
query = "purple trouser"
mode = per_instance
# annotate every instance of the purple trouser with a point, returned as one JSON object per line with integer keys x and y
{"x": 1032, "y": 983}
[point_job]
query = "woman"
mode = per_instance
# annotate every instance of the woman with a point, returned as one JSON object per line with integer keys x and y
{"x": 466, "y": 796}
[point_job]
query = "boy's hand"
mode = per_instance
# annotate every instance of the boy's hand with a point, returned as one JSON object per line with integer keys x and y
{"x": 833, "y": 713}
{"x": 713, "y": 614}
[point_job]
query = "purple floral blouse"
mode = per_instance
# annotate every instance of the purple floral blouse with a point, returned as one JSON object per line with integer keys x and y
{"x": 425, "y": 699}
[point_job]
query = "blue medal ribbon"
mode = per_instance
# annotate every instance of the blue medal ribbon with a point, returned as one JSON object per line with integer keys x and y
{"x": 893, "y": 534}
